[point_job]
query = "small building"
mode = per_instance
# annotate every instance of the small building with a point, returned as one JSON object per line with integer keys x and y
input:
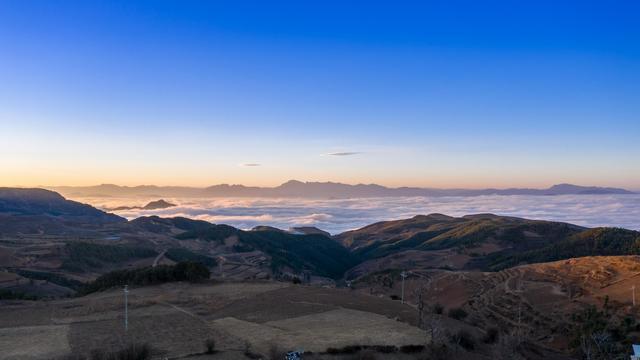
{"x": 293, "y": 355}
{"x": 636, "y": 352}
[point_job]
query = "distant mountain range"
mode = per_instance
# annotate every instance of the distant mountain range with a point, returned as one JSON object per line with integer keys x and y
{"x": 298, "y": 189}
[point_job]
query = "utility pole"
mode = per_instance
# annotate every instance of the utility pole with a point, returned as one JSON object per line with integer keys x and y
{"x": 403, "y": 275}
{"x": 126, "y": 308}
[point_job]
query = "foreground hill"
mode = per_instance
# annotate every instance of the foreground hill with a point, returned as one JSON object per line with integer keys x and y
{"x": 539, "y": 301}
{"x": 44, "y": 212}
{"x": 314, "y": 252}
{"x": 480, "y": 234}
{"x": 49, "y": 245}
{"x": 543, "y": 278}
{"x": 42, "y": 203}
{"x": 43, "y": 232}
{"x": 483, "y": 241}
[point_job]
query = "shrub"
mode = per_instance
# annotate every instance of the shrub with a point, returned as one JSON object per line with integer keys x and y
{"x": 131, "y": 352}
{"x": 410, "y": 349}
{"x": 181, "y": 254}
{"x": 349, "y": 349}
{"x": 248, "y": 352}
{"x": 191, "y": 271}
{"x": 464, "y": 339}
{"x": 275, "y": 353}
{"x": 385, "y": 349}
{"x": 438, "y": 308}
{"x": 210, "y": 346}
{"x": 52, "y": 278}
{"x": 491, "y": 336}
{"x": 94, "y": 255}
{"x": 439, "y": 352}
{"x": 457, "y": 313}
{"x": 242, "y": 248}
{"x": 183, "y": 271}
{"x": 16, "y": 295}
{"x": 366, "y": 355}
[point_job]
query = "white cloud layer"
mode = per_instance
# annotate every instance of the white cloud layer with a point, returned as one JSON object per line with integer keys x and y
{"x": 336, "y": 216}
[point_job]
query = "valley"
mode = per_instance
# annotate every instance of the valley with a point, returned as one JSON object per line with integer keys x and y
{"x": 470, "y": 281}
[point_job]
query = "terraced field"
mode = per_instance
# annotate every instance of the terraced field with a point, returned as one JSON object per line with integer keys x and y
{"x": 176, "y": 319}
{"x": 536, "y": 300}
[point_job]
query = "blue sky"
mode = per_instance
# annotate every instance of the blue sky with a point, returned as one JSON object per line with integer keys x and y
{"x": 446, "y": 93}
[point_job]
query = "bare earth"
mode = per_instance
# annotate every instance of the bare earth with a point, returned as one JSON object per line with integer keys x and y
{"x": 176, "y": 319}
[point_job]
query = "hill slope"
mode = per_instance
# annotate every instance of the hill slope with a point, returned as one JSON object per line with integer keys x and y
{"x": 315, "y": 252}
{"x": 30, "y": 211}
{"x": 483, "y": 241}
{"x": 437, "y": 231}
{"x": 42, "y": 202}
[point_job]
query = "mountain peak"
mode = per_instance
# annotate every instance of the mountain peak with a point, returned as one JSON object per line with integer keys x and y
{"x": 158, "y": 204}
{"x": 292, "y": 183}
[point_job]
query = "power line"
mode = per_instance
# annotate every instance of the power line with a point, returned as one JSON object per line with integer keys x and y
{"x": 404, "y": 275}
{"x": 126, "y": 308}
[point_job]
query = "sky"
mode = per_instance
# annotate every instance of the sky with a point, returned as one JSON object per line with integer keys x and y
{"x": 430, "y": 93}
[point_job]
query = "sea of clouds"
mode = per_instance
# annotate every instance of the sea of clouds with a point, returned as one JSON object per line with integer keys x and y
{"x": 339, "y": 215}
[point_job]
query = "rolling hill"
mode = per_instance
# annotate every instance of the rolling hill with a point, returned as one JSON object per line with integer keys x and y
{"x": 42, "y": 231}
{"x": 482, "y": 242}
{"x": 437, "y": 231}
{"x": 40, "y": 202}
{"x": 298, "y": 252}
{"x": 482, "y": 271}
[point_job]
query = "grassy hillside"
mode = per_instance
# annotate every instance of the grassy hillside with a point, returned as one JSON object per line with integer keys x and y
{"x": 314, "y": 252}
{"x": 182, "y": 254}
{"x": 40, "y": 202}
{"x": 82, "y": 255}
{"x": 52, "y": 278}
{"x": 182, "y": 271}
{"x": 436, "y": 231}
{"x": 591, "y": 242}
{"x": 157, "y": 224}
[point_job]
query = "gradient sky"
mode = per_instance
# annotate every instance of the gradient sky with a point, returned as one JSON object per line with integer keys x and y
{"x": 430, "y": 93}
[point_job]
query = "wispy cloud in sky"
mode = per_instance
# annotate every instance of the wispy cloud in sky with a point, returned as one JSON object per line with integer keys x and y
{"x": 250, "y": 164}
{"x": 344, "y": 153}
{"x": 337, "y": 216}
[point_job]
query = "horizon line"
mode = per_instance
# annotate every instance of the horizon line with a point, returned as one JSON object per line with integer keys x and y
{"x": 329, "y": 182}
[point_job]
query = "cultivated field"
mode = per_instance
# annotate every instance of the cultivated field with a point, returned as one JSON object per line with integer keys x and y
{"x": 176, "y": 319}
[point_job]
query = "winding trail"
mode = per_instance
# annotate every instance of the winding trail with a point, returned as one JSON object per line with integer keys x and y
{"x": 158, "y": 258}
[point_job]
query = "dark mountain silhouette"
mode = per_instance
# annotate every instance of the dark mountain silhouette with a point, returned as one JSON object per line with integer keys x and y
{"x": 308, "y": 230}
{"x": 33, "y": 205}
{"x": 153, "y": 205}
{"x": 294, "y": 188}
